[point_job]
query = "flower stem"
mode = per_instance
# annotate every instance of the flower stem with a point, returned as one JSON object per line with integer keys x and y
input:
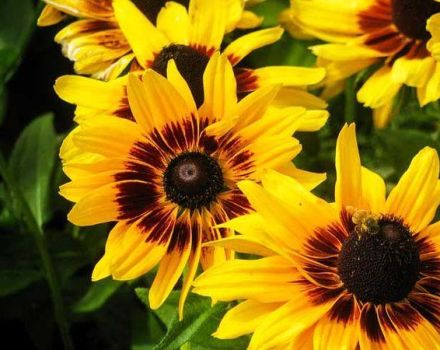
{"x": 350, "y": 100}
{"x": 40, "y": 241}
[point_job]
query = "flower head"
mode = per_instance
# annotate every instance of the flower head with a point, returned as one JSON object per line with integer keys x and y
{"x": 168, "y": 176}
{"x": 190, "y": 37}
{"x": 389, "y": 35}
{"x": 361, "y": 273}
{"x": 98, "y": 46}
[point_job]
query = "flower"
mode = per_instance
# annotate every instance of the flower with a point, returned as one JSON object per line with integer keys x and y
{"x": 190, "y": 38}
{"x": 96, "y": 43}
{"x": 388, "y": 35}
{"x": 361, "y": 273}
{"x": 169, "y": 176}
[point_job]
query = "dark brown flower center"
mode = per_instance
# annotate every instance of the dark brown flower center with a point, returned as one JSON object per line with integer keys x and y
{"x": 193, "y": 180}
{"x": 151, "y": 8}
{"x": 380, "y": 266}
{"x": 190, "y": 63}
{"x": 410, "y": 16}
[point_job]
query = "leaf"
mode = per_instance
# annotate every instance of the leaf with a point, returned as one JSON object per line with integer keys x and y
{"x": 32, "y": 161}
{"x": 200, "y": 321}
{"x": 13, "y": 280}
{"x": 17, "y": 20}
{"x": 270, "y": 11}
{"x": 396, "y": 148}
{"x": 197, "y": 316}
{"x": 167, "y": 313}
{"x": 3, "y": 101}
{"x": 147, "y": 330}
{"x": 97, "y": 295}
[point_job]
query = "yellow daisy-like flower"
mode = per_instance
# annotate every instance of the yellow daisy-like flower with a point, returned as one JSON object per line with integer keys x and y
{"x": 391, "y": 35}
{"x": 98, "y": 46}
{"x": 363, "y": 273}
{"x": 190, "y": 38}
{"x": 168, "y": 177}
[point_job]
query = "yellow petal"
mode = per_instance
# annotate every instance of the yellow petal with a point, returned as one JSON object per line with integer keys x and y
{"x": 313, "y": 120}
{"x": 433, "y": 26}
{"x": 254, "y": 105}
{"x": 265, "y": 280}
{"x": 155, "y": 101}
{"x": 175, "y": 78}
{"x": 244, "y": 318}
{"x": 332, "y": 20}
{"x": 348, "y": 188}
{"x": 272, "y": 151}
{"x": 412, "y": 72}
{"x": 219, "y": 89}
{"x": 244, "y": 45}
{"x": 91, "y": 93}
{"x": 288, "y": 76}
{"x": 170, "y": 270}
{"x": 282, "y": 326}
{"x": 96, "y": 207}
{"x": 50, "y": 16}
{"x": 102, "y": 268}
{"x": 208, "y": 23}
{"x": 241, "y": 244}
{"x": 75, "y": 190}
{"x": 373, "y": 190}
{"x": 173, "y": 21}
{"x": 416, "y": 196}
{"x": 383, "y": 114}
{"x": 108, "y": 136}
{"x": 430, "y": 92}
{"x": 249, "y": 20}
{"x": 193, "y": 264}
{"x": 308, "y": 179}
{"x": 335, "y": 331}
{"x": 136, "y": 255}
{"x": 144, "y": 38}
{"x": 379, "y": 89}
{"x": 288, "y": 96}
{"x": 84, "y": 8}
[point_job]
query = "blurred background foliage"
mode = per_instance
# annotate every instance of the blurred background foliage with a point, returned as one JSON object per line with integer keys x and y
{"x": 44, "y": 258}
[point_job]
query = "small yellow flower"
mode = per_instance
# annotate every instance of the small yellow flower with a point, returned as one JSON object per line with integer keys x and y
{"x": 95, "y": 41}
{"x": 319, "y": 285}
{"x": 169, "y": 175}
{"x": 399, "y": 38}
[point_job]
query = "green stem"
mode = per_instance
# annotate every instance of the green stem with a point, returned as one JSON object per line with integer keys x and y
{"x": 40, "y": 241}
{"x": 350, "y": 100}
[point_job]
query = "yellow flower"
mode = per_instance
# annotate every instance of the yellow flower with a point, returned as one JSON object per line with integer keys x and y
{"x": 389, "y": 35}
{"x": 168, "y": 176}
{"x": 190, "y": 38}
{"x": 98, "y": 46}
{"x": 363, "y": 273}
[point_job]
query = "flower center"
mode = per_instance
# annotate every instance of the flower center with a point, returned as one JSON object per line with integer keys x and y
{"x": 382, "y": 265}
{"x": 193, "y": 180}
{"x": 190, "y": 63}
{"x": 410, "y": 16}
{"x": 151, "y": 8}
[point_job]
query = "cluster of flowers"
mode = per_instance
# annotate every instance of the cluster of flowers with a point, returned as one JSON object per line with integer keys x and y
{"x": 190, "y": 153}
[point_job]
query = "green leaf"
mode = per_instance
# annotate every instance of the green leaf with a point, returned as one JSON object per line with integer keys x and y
{"x": 97, "y": 295}
{"x": 17, "y": 20}
{"x": 200, "y": 321}
{"x": 19, "y": 266}
{"x": 32, "y": 161}
{"x": 197, "y": 316}
{"x": 270, "y": 11}
{"x": 3, "y": 101}
{"x": 167, "y": 313}
{"x": 13, "y": 280}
